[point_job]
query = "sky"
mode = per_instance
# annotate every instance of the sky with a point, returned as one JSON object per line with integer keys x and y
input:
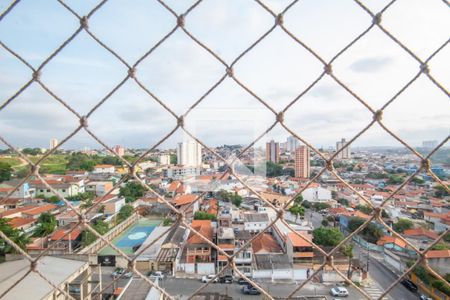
{"x": 179, "y": 72}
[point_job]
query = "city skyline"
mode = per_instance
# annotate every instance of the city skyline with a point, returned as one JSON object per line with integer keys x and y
{"x": 375, "y": 67}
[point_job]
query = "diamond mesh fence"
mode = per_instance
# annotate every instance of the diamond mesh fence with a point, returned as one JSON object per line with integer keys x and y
{"x": 423, "y": 71}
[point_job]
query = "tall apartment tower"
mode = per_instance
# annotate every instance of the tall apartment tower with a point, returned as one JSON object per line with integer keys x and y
{"x": 292, "y": 143}
{"x": 272, "y": 151}
{"x": 302, "y": 164}
{"x": 189, "y": 154}
{"x": 119, "y": 150}
{"x": 344, "y": 154}
{"x": 53, "y": 143}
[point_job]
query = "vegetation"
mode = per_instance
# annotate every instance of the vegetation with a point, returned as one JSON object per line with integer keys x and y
{"x": 46, "y": 224}
{"x": 370, "y": 233}
{"x": 167, "y": 222}
{"x": 203, "y": 215}
{"x": 297, "y": 210}
{"x": 173, "y": 159}
{"x": 125, "y": 212}
{"x": 440, "y": 246}
{"x": 88, "y": 237}
{"x": 230, "y": 197}
{"x": 344, "y": 202}
{"x": 318, "y": 206}
{"x": 440, "y": 191}
{"x": 365, "y": 209}
{"x": 373, "y": 175}
{"x": 395, "y": 179}
{"x": 132, "y": 191}
{"x": 403, "y": 224}
{"x": 306, "y": 204}
{"x": 430, "y": 280}
{"x": 325, "y": 222}
{"x": 17, "y": 236}
{"x": 5, "y": 171}
{"x": 327, "y": 236}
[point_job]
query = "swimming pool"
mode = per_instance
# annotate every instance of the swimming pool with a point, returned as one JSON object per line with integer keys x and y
{"x": 134, "y": 236}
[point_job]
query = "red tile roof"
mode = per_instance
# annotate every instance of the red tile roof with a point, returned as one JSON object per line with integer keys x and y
{"x": 298, "y": 241}
{"x": 19, "y": 222}
{"x": 204, "y": 227}
{"x": 438, "y": 254}
{"x": 391, "y": 240}
{"x": 421, "y": 232}
{"x": 59, "y": 233}
{"x": 184, "y": 199}
{"x": 267, "y": 243}
{"x": 40, "y": 209}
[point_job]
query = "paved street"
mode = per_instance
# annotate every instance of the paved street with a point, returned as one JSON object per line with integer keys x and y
{"x": 383, "y": 277}
{"x": 182, "y": 288}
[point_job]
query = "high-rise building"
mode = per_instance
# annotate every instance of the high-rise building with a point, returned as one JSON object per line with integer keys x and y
{"x": 189, "y": 154}
{"x": 119, "y": 150}
{"x": 53, "y": 143}
{"x": 164, "y": 159}
{"x": 292, "y": 143}
{"x": 429, "y": 144}
{"x": 345, "y": 153}
{"x": 302, "y": 164}
{"x": 273, "y": 151}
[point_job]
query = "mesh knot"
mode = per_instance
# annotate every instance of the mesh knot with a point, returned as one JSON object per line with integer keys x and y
{"x": 377, "y": 19}
{"x": 33, "y": 265}
{"x": 131, "y": 170}
{"x": 424, "y": 68}
{"x": 330, "y": 166}
{"x": 84, "y": 22}
{"x": 426, "y": 164}
{"x": 36, "y": 75}
{"x": 378, "y": 115}
{"x": 280, "y": 213}
{"x": 329, "y": 259}
{"x": 377, "y": 211}
{"x": 84, "y": 121}
{"x": 280, "y": 117}
{"x": 230, "y": 72}
{"x": 34, "y": 169}
{"x": 180, "y": 21}
{"x": 83, "y": 220}
{"x": 132, "y": 72}
{"x": 328, "y": 69}
{"x": 180, "y": 121}
{"x": 279, "y": 20}
{"x": 131, "y": 265}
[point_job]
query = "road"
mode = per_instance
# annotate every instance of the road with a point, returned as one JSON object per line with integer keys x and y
{"x": 384, "y": 277}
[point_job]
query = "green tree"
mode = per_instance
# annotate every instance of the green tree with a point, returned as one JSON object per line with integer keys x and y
{"x": 440, "y": 191}
{"x": 132, "y": 191}
{"x": 167, "y": 222}
{"x": 203, "y": 215}
{"x": 320, "y": 206}
{"x": 46, "y": 224}
{"x": 297, "y": 211}
{"x": 306, "y": 204}
{"x": 81, "y": 161}
{"x": 125, "y": 212}
{"x": 395, "y": 179}
{"x": 371, "y": 233}
{"x": 87, "y": 237}
{"x": 273, "y": 169}
{"x": 5, "y": 171}
{"x": 298, "y": 200}
{"x": 344, "y": 201}
{"x": 347, "y": 250}
{"x": 403, "y": 224}
{"x": 327, "y": 236}
{"x": 17, "y": 236}
{"x": 440, "y": 246}
{"x": 325, "y": 222}
{"x": 173, "y": 159}
{"x": 365, "y": 209}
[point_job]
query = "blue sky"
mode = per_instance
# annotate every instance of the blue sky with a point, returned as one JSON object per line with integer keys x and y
{"x": 179, "y": 71}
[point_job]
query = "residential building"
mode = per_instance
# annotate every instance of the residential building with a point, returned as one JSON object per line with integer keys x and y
{"x": 265, "y": 244}
{"x": 99, "y": 188}
{"x": 345, "y": 153}
{"x": 243, "y": 260}
{"x": 317, "y": 194}
{"x": 104, "y": 169}
{"x": 255, "y": 222}
{"x": 64, "y": 186}
{"x": 164, "y": 159}
{"x": 119, "y": 150}
{"x": 430, "y": 144}
{"x": 63, "y": 240}
{"x": 53, "y": 143}
{"x": 181, "y": 172}
{"x": 23, "y": 191}
{"x": 439, "y": 261}
{"x": 273, "y": 151}
{"x": 302, "y": 162}
{"x": 189, "y": 154}
{"x": 292, "y": 144}
{"x": 197, "y": 249}
{"x": 113, "y": 205}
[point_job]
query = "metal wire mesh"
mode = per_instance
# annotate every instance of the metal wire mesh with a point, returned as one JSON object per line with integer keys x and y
{"x": 278, "y": 118}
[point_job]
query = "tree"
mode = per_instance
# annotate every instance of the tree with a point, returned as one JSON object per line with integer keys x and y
{"x": 371, "y": 233}
{"x": 298, "y": 200}
{"x": 365, "y": 209}
{"x": 297, "y": 211}
{"x": 440, "y": 191}
{"x": 417, "y": 180}
{"x": 203, "y": 215}
{"x": 273, "y": 169}
{"x": 306, "y": 204}
{"x": 46, "y": 224}
{"x": 320, "y": 206}
{"x": 5, "y": 171}
{"x": 125, "y": 212}
{"x": 395, "y": 179}
{"x": 440, "y": 246}
{"x": 325, "y": 222}
{"x": 327, "y": 236}
{"x": 344, "y": 201}
{"x": 132, "y": 191}
{"x": 87, "y": 237}
{"x": 173, "y": 159}
{"x": 80, "y": 161}
{"x": 347, "y": 250}
{"x": 236, "y": 200}
{"x": 167, "y": 222}
{"x": 403, "y": 224}
{"x": 17, "y": 236}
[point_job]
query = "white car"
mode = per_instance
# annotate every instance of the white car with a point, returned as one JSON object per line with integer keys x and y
{"x": 339, "y": 291}
{"x": 208, "y": 278}
{"x": 156, "y": 275}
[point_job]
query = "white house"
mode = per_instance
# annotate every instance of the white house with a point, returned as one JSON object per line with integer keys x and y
{"x": 255, "y": 222}
{"x": 316, "y": 194}
{"x": 104, "y": 169}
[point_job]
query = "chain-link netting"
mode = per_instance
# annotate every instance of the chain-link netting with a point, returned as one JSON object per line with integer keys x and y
{"x": 423, "y": 70}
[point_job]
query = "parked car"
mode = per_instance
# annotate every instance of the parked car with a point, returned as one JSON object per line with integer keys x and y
{"x": 156, "y": 275}
{"x": 119, "y": 271}
{"x": 339, "y": 291}
{"x": 242, "y": 281}
{"x": 250, "y": 290}
{"x": 226, "y": 279}
{"x": 208, "y": 278}
{"x": 424, "y": 297}
{"x": 409, "y": 285}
